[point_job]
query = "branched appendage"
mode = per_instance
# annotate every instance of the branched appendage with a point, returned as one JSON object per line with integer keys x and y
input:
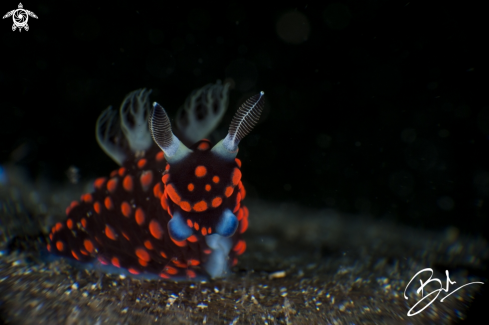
{"x": 134, "y": 112}
{"x": 202, "y": 112}
{"x": 125, "y": 132}
{"x": 109, "y": 135}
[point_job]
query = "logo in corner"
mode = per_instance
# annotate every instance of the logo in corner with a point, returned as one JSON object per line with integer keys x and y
{"x": 20, "y": 17}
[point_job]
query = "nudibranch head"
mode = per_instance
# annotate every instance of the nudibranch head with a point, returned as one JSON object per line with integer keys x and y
{"x": 206, "y": 195}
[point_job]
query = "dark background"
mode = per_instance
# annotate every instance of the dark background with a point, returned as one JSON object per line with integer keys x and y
{"x": 373, "y": 107}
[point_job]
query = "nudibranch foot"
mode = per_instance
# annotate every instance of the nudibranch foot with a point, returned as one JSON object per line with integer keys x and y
{"x": 217, "y": 266}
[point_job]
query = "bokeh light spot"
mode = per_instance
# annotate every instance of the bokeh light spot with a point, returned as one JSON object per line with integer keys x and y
{"x": 293, "y": 27}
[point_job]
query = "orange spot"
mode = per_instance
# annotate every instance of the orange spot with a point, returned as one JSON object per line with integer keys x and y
{"x": 59, "y": 226}
{"x": 155, "y": 229}
{"x": 209, "y": 230}
{"x": 164, "y": 276}
{"x": 240, "y": 214}
{"x": 246, "y": 212}
{"x": 236, "y": 176}
{"x": 48, "y": 247}
{"x": 110, "y": 232}
{"x": 172, "y": 193}
{"x": 182, "y": 243}
{"x": 207, "y": 187}
{"x": 142, "y": 163}
{"x": 133, "y": 271}
{"x": 84, "y": 222}
{"x": 191, "y": 274}
{"x": 140, "y": 216}
{"x": 242, "y": 190}
{"x": 108, "y": 203}
{"x": 204, "y": 231}
{"x": 235, "y": 262}
{"x": 243, "y": 225}
{"x": 143, "y": 254}
{"x": 196, "y": 226}
{"x": 193, "y": 262}
{"x": 87, "y": 198}
{"x": 142, "y": 262}
{"x": 165, "y": 178}
{"x": 148, "y": 244}
{"x": 167, "y": 167}
{"x": 190, "y": 223}
{"x": 72, "y": 205}
{"x": 102, "y": 260}
{"x": 238, "y": 162}
{"x": 113, "y": 173}
{"x": 97, "y": 207}
{"x": 163, "y": 254}
{"x": 190, "y": 187}
{"x": 69, "y": 223}
{"x": 115, "y": 262}
{"x": 238, "y": 199}
{"x": 99, "y": 182}
{"x": 88, "y": 245}
{"x": 216, "y": 201}
{"x": 203, "y": 146}
{"x": 112, "y": 184}
{"x": 200, "y": 171}
{"x": 122, "y": 171}
{"x": 170, "y": 270}
{"x": 146, "y": 179}
{"x": 207, "y": 251}
{"x": 83, "y": 252}
{"x": 125, "y": 236}
{"x": 163, "y": 202}
{"x": 60, "y": 246}
{"x": 185, "y": 206}
{"x": 179, "y": 264}
{"x": 160, "y": 156}
{"x": 74, "y": 255}
{"x": 229, "y": 191}
{"x": 127, "y": 183}
{"x": 238, "y": 202}
{"x": 192, "y": 239}
{"x": 240, "y": 247}
{"x": 51, "y": 236}
{"x": 215, "y": 179}
{"x": 126, "y": 209}
{"x": 157, "y": 190}
{"x": 200, "y": 206}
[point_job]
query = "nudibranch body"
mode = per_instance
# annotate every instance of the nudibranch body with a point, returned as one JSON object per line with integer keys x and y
{"x": 168, "y": 210}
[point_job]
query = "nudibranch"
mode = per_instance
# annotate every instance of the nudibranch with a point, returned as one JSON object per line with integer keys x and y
{"x": 169, "y": 210}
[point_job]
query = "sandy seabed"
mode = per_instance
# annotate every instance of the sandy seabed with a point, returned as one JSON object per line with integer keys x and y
{"x": 302, "y": 266}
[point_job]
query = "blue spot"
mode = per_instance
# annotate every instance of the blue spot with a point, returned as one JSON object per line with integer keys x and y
{"x": 228, "y": 224}
{"x": 178, "y": 228}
